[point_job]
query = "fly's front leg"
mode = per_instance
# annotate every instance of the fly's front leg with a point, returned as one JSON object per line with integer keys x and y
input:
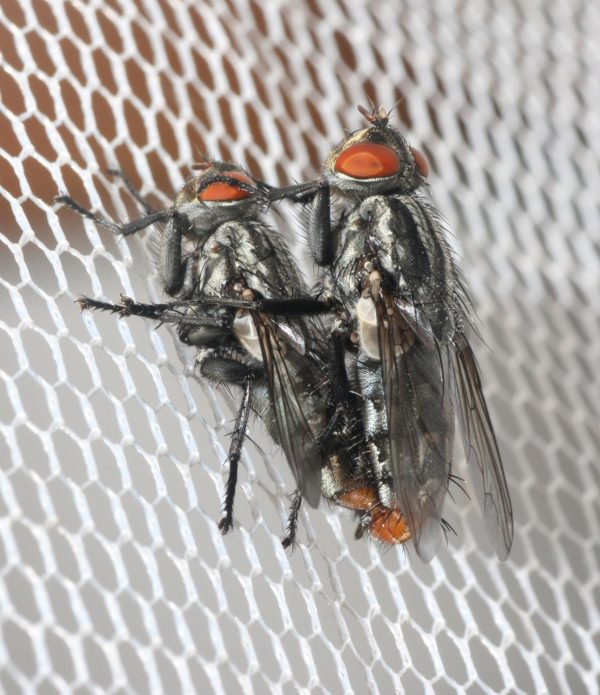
{"x": 319, "y": 228}
{"x": 317, "y": 195}
{"x": 121, "y": 229}
{"x": 172, "y": 268}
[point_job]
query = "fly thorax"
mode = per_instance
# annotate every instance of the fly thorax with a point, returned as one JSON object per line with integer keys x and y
{"x": 374, "y": 207}
{"x": 200, "y": 218}
{"x": 213, "y": 274}
{"x": 380, "y": 225}
{"x": 191, "y": 250}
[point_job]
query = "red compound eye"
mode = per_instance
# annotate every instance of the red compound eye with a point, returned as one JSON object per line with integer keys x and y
{"x": 227, "y": 191}
{"x": 368, "y": 160}
{"x": 420, "y": 161}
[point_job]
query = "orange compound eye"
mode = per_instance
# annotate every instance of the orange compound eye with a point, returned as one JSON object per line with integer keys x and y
{"x": 389, "y": 526}
{"x": 421, "y": 162}
{"x": 368, "y": 160}
{"x": 219, "y": 190}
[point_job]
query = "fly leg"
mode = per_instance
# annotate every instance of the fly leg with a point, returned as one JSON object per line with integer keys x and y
{"x": 223, "y": 370}
{"x": 298, "y": 306}
{"x": 320, "y": 238}
{"x": 171, "y": 265}
{"x": 164, "y": 313}
{"x": 289, "y": 541}
{"x": 341, "y": 422}
{"x": 331, "y": 428}
{"x": 121, "y": 229}
{"x": 206, "y": 332}
{"x": 364, "y": 519}
{"x": 233, "y": 458}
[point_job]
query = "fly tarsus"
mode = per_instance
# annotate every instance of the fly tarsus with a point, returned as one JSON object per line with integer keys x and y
{"x": 233, "y": 459}
{"x": 121, "y": 229}
{"x": 289, "y": 541}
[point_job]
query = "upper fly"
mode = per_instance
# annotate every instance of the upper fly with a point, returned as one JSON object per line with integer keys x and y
{"x": 401, "y": 305}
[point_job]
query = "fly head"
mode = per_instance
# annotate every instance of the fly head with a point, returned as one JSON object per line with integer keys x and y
{"x": 221, "y": 192}
{"x": 376, "y": 160}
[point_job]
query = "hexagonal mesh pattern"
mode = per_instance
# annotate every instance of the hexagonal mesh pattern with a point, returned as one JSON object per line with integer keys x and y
{"x": 113, "y": 574}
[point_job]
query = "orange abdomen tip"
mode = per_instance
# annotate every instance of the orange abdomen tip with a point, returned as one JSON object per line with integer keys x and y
{"x": 362, "y": 498}
{"x": 368, "y": 160}
{"x": 389, "y": 526}
{"x": 227, "y": 191}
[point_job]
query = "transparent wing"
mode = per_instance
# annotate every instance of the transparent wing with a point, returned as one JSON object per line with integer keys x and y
{"x": 481, "y": 448}
{"x": 293, "y": 409}
{"x": 420, "y": 421}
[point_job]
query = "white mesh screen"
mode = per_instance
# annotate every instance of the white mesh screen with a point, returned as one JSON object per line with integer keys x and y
{"x": 113, "y": 576}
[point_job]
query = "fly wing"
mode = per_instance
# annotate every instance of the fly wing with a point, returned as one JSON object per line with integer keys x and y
{"x": 420, "y": 420}
{"x": 291, "y": 406}
{"x": 481, "y": 448}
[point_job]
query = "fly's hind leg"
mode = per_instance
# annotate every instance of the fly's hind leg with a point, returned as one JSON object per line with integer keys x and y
{"x": 289, "y": 541}
{"x": 364, "y": 519}
{"x": 233, "y": 458}
{"x": 223, "y": 370}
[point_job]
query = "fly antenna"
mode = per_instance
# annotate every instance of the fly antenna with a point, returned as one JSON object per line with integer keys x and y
{"x": 396, "y": 104}
{"x": 376, "y": 116}
{"x": 204, "y": 161}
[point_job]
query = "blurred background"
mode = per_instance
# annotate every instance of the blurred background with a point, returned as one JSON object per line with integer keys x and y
{"x": 113, "y": 575}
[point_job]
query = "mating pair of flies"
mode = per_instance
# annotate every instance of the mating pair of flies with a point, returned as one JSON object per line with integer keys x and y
{"x": 360, "y": 382}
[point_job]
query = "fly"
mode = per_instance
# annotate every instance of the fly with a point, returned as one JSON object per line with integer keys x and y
{"x": 239, "y": 299}
{"x": 401, "y": 307}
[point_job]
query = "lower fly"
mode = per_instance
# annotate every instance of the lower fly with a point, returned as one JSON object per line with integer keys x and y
{"x": 239, "y": 299}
